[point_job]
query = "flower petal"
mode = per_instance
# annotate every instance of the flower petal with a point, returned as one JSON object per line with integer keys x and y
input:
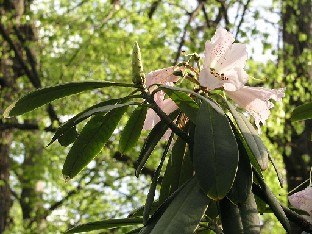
{"x": 161, "y": 76}
{"x": 206, "y": 79}
{"x": 302, "y": 200}
{"x": 256, "y": 101}
{"x": 217, "y": 47}
{"x": 151, "y": 119}
{"x": 235, "y": 57}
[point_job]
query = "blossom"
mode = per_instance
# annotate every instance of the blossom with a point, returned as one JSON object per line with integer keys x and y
{"x": 224, "y": 63}
{"x": 303, "y": 200}
{"x": 161, "y": 76}
{"x": 256, "y": 100}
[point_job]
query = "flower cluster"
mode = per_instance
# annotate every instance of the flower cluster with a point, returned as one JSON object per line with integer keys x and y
{"x": 224, "y": 63}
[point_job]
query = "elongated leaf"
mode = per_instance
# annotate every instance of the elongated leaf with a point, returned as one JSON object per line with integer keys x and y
{"x": 230, "y": 217}
{"x": 184, "y": 102}
{"x": 171, "y": 178}
{"x": 272, "y": 202}
{"x": 43, "y": 96}
{"x": 101, "y": 107}
{"x": 243, "y": 179}
{"x": 302, "y": 112}
{"x": 90, "y": 141}
{"x": 105, "y": 224}
{"x": 252, "y": 138}
{"x": 68, "y": 137}
{"x": 249, "y": 215}
{"x": 132, "y": 130}
{"x": 151, "y": 192}
{"x": 177, "y": 89}
{"x": 215, "y": 152}
{"x": 184, "y": 212}
{"x": 151, "y": 141}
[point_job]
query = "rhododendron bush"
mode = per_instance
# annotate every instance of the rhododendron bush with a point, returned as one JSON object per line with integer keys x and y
{"x": 210, "y": 172}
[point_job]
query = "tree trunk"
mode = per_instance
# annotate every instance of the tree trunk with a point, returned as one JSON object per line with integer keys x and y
{"x": 297, "y": 22}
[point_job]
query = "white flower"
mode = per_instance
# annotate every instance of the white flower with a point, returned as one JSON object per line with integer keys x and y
{"x": 303, "y": 200}
{"x": 224, "y": 63}
{"x": 161, "y": 76}
{"x": 256, "y": 101}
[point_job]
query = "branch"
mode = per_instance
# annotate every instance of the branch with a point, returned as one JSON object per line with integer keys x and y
{"x": 242, "y": 18}
{"x": 153, "y": 8}
{"x": 25, "y": 126}
{"x": 182, "y": 39}
{"x": 36, "y": 83}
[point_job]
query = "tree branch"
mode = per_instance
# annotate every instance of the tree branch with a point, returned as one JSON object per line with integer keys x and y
{"x": 242, "y": 18}
{"x": 182, "y": 39}
{"x": 25, "y": 126}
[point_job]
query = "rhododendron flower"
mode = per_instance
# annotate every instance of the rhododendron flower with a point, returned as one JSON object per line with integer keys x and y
{"x": 256, "y": 101}
{"x": 161, "y": 76}
{"x": 224, "y": 63}
{"x": 302, "y": 200}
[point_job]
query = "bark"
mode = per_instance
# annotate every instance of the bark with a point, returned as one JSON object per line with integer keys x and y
{"x": 297, "y": 21}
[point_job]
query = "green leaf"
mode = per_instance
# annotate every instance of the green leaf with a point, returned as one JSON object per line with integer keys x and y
{"x": 249, "y": 215}
{"x": 105, "y": 224}
{"x": 132, "y": 130}
{"x": 101, "y": 107}
{"x": 184, "y": 212}
{"x": 151, "y": 141}
{"x": 184, "y": 102}
{"x": 272, "y": 201}
{"x": 68, "y": 137}
{"x": 43, "y": 96}
{"x": 170, "y": 182}
{"x": 252, "y": 138}
{"x": 302, "y": 112}
{"x": 204, "y": 99}
{"x": 230, "y": 217}
{"x": 90, "y": 141}
{"x": 151, "y": 193}
{"x": 215, "y": 152}
{"x": 243, "y": 179}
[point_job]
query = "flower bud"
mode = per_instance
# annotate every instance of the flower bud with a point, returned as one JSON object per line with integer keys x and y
{"x": 138, "y": 76}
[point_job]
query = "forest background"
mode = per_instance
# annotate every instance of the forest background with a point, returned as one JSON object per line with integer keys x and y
{"x": 49, "y": 42}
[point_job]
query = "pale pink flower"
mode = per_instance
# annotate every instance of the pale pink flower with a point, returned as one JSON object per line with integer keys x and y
{"x": 302, "y": 200}
{"x": 161, "y": 76}
{"x": 224, "y": 62}
{"x": 256, "y": 101}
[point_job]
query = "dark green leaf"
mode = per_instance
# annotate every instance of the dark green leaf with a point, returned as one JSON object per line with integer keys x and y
{"x": 68, "y": 137}
{"x": 151, "y": 192}
{"x": 132, "y": 130}
{"x": 170, "y": 182}
{"x": 243, "y": 179}
{"x": 215, "y": 152}
{"x": 101, "y": 107}
{"x": 105, "y": 224}
{"x": 213, "y": 209}
{"x": 151, "y": 141}
{"x": 43, "y": 96}
{"x": 252, "y": 138}
{"x": 249, "y": 215}
{"x": 184, "y": 212}
{"x": 177, "y": 89}
{"x": 302, "y": 112}
{"x": 230, "y": 217}
{"x": 184, "y": 102}
{"x": 90, "y": 141}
